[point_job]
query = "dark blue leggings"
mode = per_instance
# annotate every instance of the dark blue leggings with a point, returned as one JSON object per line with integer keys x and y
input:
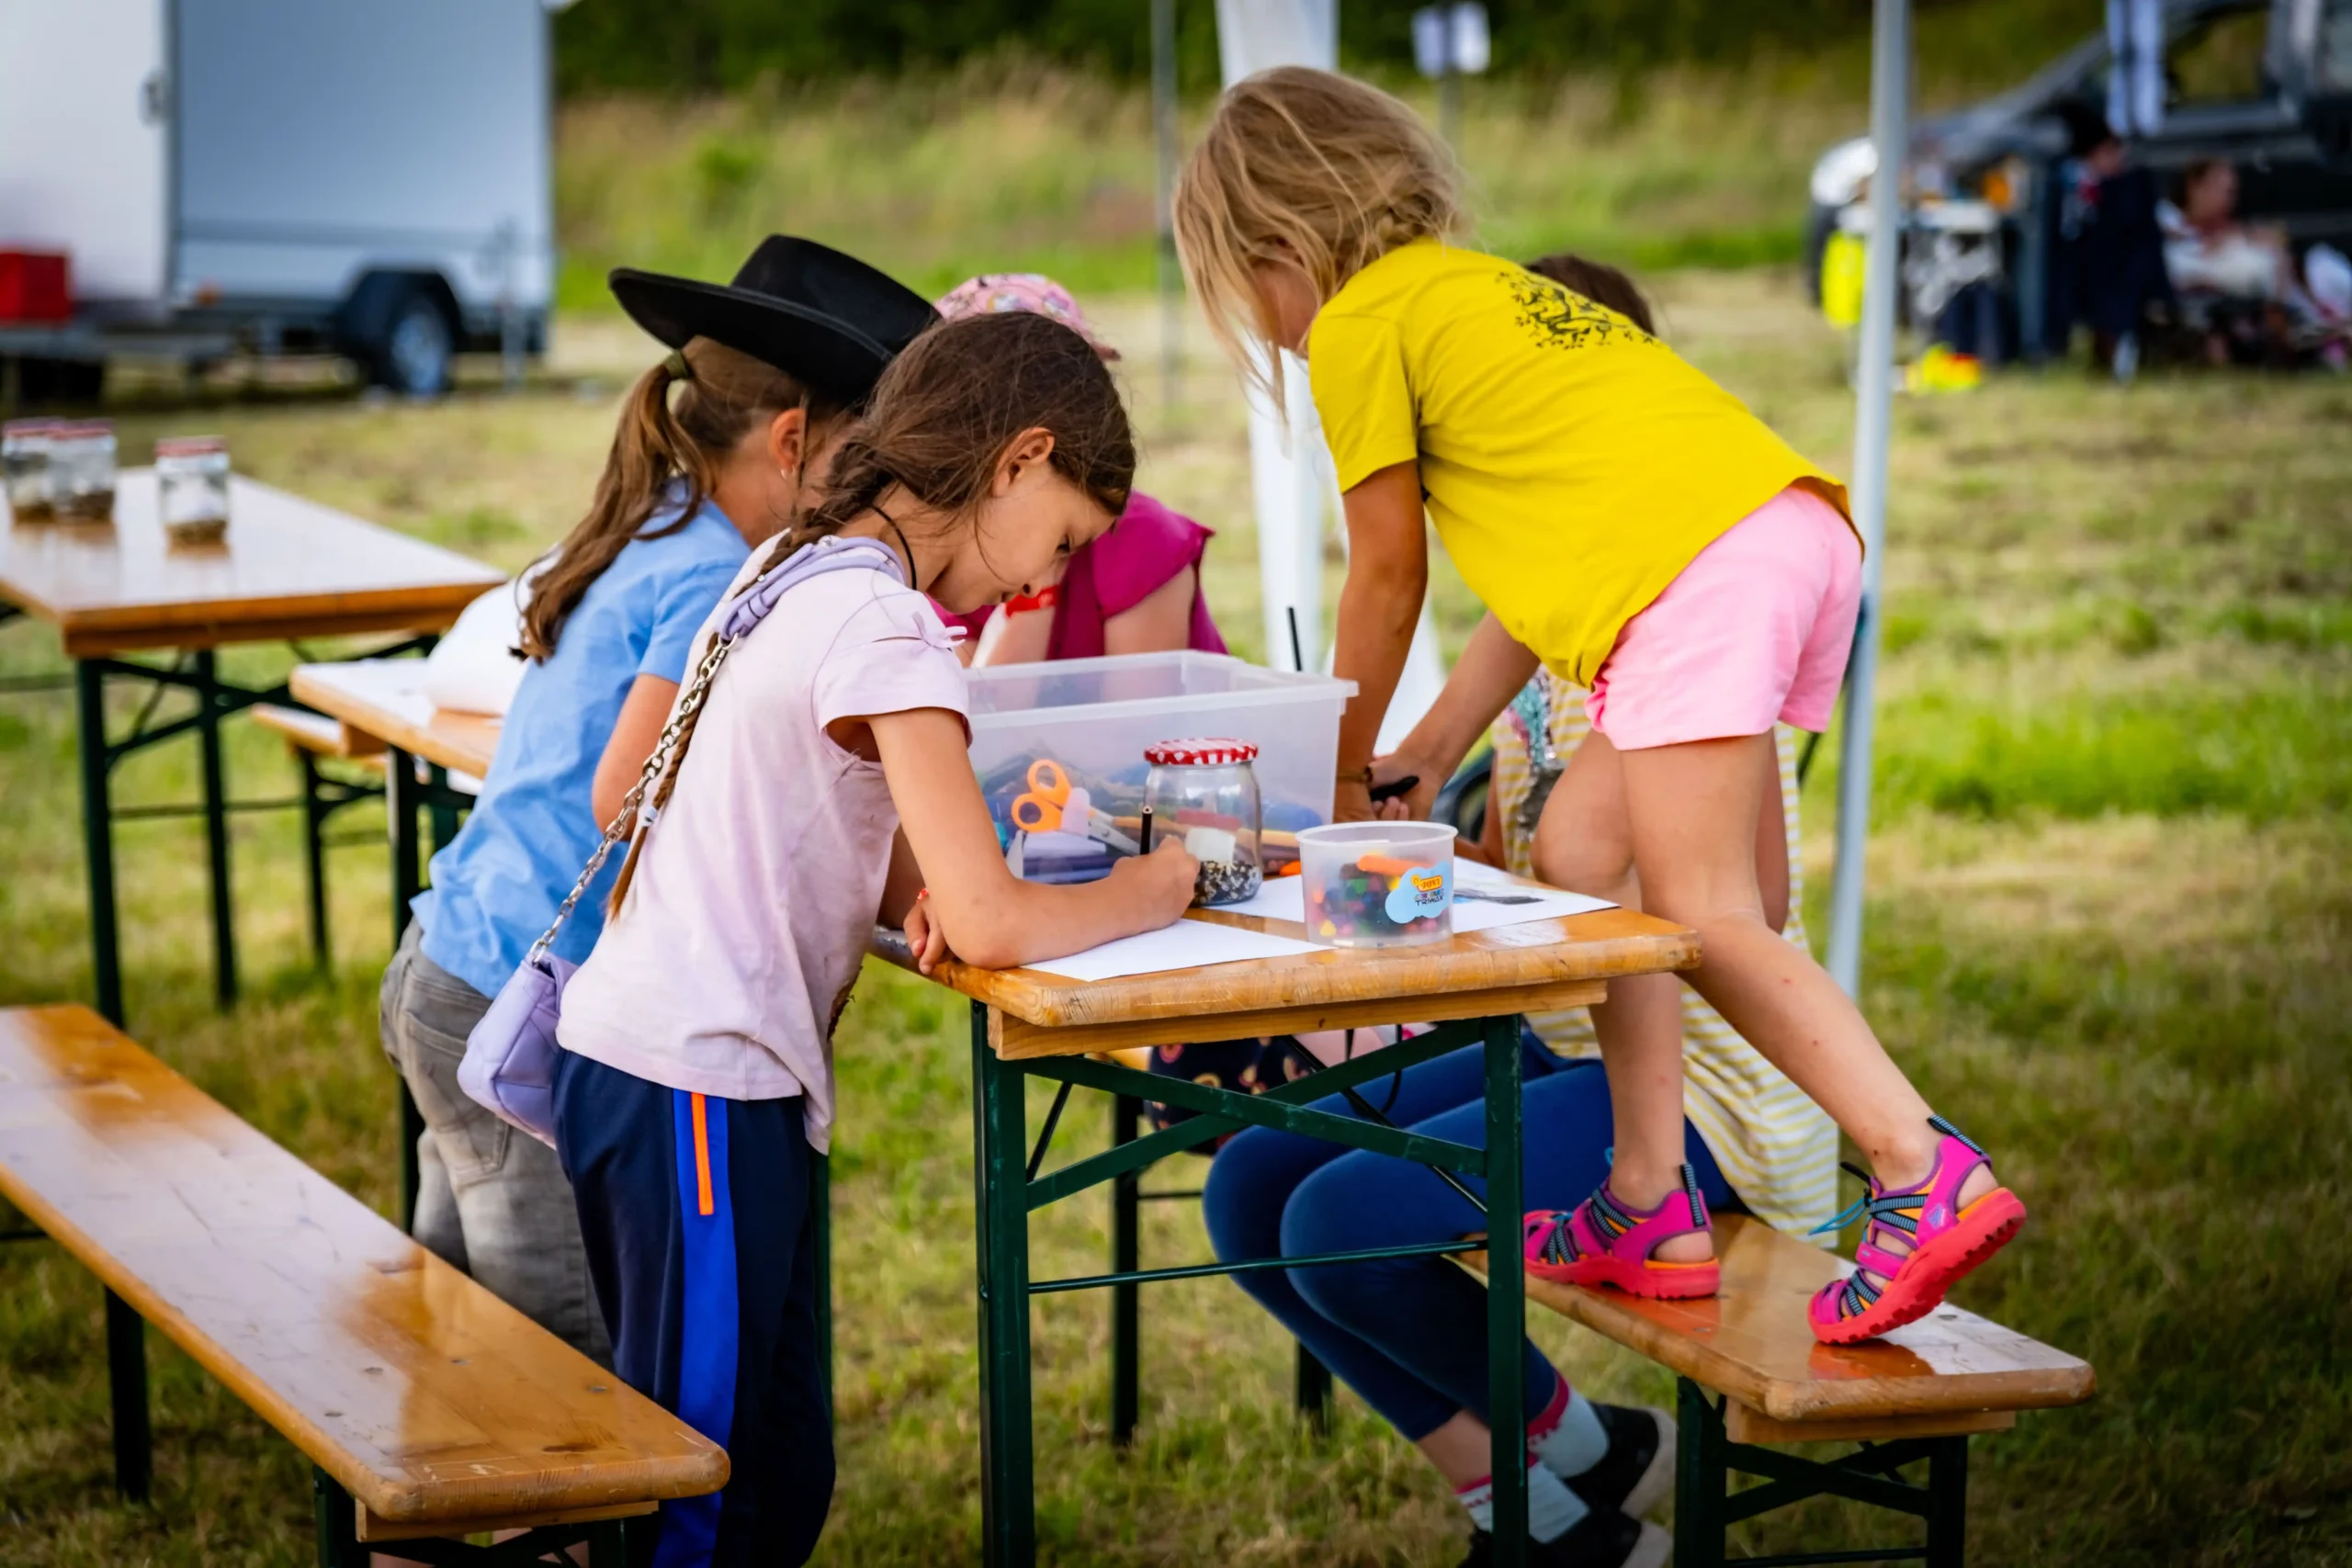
{"x": 1409, "y": 1334}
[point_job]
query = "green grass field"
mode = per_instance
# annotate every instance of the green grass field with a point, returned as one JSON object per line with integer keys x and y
{"x": 2108, "y": 931}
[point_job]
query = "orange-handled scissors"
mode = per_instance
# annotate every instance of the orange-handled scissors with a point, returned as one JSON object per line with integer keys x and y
{"x": 1039, "y": 810}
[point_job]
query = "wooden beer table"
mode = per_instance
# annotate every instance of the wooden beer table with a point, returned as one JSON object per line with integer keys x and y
{"x": 288, "y": 569}
{"x": 1027, "y": 1024}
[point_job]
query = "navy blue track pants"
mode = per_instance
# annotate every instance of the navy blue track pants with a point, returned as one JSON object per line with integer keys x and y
{"x": 701, "y": 1243}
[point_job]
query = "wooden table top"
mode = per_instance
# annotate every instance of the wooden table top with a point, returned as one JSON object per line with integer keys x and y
{"x": 1751, "y": 1341}
{"x": 288, "y": 567}
{"x": 384, "y": 698}
{"x": 1539, "y": 967}
{"x": 423, "y": 1393}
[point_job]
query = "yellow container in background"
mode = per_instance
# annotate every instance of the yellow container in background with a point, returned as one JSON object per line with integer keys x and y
{"x": 1841, "y": 279}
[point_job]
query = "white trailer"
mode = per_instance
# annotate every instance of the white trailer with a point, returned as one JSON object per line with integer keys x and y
{"x": 278, "y": 176}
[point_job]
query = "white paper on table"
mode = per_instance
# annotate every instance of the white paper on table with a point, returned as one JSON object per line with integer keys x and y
{"x": 1477, "y": 915}
{"x": 1285, "y": 898}
{"x": 1187, "y": 944}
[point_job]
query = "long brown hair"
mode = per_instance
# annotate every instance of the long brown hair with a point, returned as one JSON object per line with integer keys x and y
{"x": 949, "y": 406}
{"x": 943, "y": 415}
{"x": 1312, "y": 166}
{"x": 661, "y": 445}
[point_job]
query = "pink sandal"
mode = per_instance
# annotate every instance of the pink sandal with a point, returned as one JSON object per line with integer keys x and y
{"x": 1945, "y": 1245}
{"x": 1603, "y": 1242}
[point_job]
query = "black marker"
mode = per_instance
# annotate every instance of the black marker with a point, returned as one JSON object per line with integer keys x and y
{"x": 1143, "y": 834}
{"x": 1396, "y": 789}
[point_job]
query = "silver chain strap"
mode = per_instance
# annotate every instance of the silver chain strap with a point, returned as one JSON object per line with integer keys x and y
{"x": 657, "y": 762}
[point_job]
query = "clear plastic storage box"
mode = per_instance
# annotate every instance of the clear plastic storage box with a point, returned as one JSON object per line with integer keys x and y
{"x": 1095, "y": 717}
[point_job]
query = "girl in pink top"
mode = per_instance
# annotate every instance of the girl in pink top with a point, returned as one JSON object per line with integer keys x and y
{"x": 1135, "y": 589}
{"x": 695, "y": 1085}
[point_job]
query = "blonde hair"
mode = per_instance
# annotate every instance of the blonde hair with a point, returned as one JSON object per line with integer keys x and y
{"x": 1306, "y": 166}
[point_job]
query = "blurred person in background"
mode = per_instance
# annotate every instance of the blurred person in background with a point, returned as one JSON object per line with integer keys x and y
{"x": 2108, "y": 263}
{"x": 1135, "y": 589}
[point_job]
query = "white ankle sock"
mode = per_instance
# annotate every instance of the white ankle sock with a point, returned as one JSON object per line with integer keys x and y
{"x": 1575, "y": 1445}
{"x": 1552, "y": 1509}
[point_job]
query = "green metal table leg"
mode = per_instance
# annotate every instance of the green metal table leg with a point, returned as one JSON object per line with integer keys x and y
{"x": 411, "y": 1160}
{"x": 336, "y": 1522}
{"x": 1311, "y": 1391}
{"x": 97, "y": 838}
{"x": 821, "y": 1202}
{"x": 609, "y": 1545}
{"x": 442, "y": 811}
{"x": 134, "y": 1455}
{"x": 1698, "y": 1480}
{"x": 1008, "y": 1522}
{"x": 400, "y": 800}
{"x": 1126, "y": 1300}
{"x": 216, "y": 829}
{"x": 314, "y": 849}
{"x": 1506, "y": 1293}
{"x": 1948, "y": 1504}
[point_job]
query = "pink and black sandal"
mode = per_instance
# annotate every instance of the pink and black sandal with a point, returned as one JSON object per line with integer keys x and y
{"x": 1603, "y": 1242}
{"x": 1946, "y": 1243}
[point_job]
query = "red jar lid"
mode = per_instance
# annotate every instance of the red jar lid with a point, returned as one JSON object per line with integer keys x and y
{"x": 1197, "y": 753}
{"x": 189, "y": 446}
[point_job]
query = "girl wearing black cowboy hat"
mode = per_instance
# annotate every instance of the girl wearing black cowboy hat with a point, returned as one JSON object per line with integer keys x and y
{"x": 713, "y": 447}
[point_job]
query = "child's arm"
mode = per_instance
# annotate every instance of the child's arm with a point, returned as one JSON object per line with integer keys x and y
{"x": 643, "y": 712}
{"x": 1388, "y": 571}
{"x": 988, "y": 916}
{"x": 1492, "y": 669}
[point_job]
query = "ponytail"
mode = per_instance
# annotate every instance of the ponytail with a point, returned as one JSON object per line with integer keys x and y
{"x": 664, "y": 455}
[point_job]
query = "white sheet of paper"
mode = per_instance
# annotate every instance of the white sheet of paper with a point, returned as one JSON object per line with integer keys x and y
{"x": 1285, "y": 898}
{"x": 1187, "y": 944}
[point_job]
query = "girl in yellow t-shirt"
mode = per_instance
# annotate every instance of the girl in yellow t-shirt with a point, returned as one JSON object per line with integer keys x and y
{"x": 1632, "y": 529}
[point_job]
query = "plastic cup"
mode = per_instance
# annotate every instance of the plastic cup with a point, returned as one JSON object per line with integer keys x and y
{"x": 1377, "y": 884}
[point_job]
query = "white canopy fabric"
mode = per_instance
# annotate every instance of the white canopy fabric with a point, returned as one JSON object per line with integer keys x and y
{"x": 1293, "y": 486}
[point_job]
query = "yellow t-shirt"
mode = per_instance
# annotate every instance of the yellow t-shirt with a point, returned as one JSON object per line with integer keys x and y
{"x": 1573, "y": 464}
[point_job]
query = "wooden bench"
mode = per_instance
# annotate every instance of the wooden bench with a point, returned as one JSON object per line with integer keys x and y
{"x": 1917, "y": 1393}
{"x": 428, "y": 1406}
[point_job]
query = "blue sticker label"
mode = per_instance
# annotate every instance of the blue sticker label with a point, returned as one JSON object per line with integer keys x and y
{"x": 1421, "y": 892}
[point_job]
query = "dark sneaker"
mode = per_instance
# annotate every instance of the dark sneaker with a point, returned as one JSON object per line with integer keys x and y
{"x": 1637, "y": 1473}
{"x": 1602, "y": 1538}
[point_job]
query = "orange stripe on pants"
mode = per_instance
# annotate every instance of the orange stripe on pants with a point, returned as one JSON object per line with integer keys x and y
{"x": 703, "y": 1204}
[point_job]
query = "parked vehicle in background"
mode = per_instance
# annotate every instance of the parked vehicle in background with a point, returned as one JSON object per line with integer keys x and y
{"x": 274, "y": 176}
{"x": 2264, "y": 83}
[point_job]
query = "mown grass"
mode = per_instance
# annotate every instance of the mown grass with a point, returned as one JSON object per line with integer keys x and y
{"x": 2108, "y": 931}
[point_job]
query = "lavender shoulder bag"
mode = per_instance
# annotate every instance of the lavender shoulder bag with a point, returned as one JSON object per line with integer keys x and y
{"x": 509, "y": 1065}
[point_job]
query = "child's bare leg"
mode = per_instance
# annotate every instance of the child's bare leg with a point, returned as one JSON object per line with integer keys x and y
{"x": 1692, "y": 810}
{"x": 1584, "y": 843}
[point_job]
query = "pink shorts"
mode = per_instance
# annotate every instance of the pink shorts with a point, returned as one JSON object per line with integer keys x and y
{"x": 1755, "y": 630}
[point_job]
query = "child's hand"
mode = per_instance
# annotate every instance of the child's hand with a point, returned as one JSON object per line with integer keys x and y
{"x": 924, "y": 939}
{"x": 1162, "y": 880}
{"x": 1416, "y": 804}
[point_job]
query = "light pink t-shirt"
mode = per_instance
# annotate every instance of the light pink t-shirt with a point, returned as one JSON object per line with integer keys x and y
{"x": 727, "y": 964}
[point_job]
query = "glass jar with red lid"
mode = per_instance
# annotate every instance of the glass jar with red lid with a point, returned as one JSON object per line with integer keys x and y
{"x": 1205, "y": 791}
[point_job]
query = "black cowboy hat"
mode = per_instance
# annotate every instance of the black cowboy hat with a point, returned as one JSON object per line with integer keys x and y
{"x": 804, "y": 308}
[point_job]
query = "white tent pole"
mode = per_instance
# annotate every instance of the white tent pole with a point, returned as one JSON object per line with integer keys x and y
{"x": 1890, "y": 103}
{"x": 1163, "y": 127}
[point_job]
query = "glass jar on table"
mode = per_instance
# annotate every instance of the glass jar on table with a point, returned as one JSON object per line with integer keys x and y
{"x": 1205, "y": 791}
{"x": 81, "y": 470}
{"x": 192, "y": 487}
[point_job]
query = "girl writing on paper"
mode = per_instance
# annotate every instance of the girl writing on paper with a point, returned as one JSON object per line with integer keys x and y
{"x": 826, "y": 712}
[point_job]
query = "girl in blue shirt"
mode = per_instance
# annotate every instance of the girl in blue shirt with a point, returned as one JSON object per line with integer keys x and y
{"x": 713, "y": 447}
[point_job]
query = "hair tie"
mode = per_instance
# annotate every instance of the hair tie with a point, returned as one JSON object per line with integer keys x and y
{"x": 677, "y": 366}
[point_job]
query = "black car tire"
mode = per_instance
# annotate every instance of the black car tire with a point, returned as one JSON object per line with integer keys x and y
{"x": 417, "y": 348}
{"x": 43, "y": 382}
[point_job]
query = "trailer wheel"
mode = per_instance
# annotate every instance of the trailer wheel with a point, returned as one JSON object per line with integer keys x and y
{"x": 41, "y": 382}
{"x": 413, "y": 357}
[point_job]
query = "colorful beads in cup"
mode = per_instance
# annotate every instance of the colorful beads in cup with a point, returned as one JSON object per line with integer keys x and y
{"x": 1377, "y": 884}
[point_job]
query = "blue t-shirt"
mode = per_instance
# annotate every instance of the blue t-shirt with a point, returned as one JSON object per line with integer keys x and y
{"x": 496, "y": 886}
